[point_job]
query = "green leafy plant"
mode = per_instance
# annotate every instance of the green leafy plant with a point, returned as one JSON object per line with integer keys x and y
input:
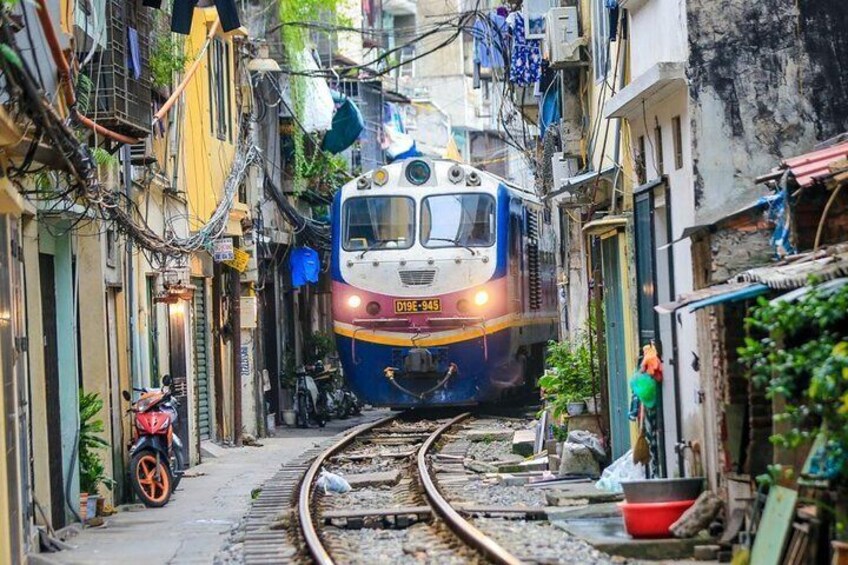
{"x": 571, "y": 369}
{"x": 167, "y": 57}
{"x": 92, "y": 470}
{"x": 294, "y": 14}
{"x": 103, "y": 158}
{"x": 318, "y": 346}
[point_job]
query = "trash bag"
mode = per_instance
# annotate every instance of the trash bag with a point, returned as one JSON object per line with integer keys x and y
{"x": 644, "y": 387}
{"x": 590, "y": 440}
{"x": 622, "y": 469}
{"x": 331, "y": 482}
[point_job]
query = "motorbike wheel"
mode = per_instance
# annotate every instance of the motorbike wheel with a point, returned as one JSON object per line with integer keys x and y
{"x": 303, "y": 410}
{"x": 151, "y": 481}
{"x": 178, "y": 467}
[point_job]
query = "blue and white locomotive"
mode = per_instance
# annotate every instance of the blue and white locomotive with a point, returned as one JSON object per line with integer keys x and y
{"x": 444, "y": 285}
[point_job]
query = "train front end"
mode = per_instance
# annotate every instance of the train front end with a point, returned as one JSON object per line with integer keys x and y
{"x": 420, "y": 299}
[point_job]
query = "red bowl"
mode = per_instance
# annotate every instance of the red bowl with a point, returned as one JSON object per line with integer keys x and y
{"x": 652, "y": 519}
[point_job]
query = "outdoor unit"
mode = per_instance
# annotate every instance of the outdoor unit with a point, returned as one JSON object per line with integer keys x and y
{"x": 564, "y": 168}
{"x": 563, "y": 37}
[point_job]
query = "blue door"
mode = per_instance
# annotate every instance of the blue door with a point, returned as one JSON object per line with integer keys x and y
{"x": 616, "y": 355}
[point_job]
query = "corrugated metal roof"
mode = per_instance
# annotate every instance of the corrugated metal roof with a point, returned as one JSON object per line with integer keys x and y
{"x": 807, "y": 168}
{"x": 826, "y": 264}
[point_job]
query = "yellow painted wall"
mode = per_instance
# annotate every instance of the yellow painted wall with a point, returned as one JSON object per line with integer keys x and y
{"x": 205, "y": 160}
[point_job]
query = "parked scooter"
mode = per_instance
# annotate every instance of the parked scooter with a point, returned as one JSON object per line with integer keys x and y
{"x": 310, "y": 404}
{"x": 156, "y": 453}
{"x": 339, "y": 400}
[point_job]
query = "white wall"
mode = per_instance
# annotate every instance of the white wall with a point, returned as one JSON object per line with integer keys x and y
{"x": 657, "y": 33}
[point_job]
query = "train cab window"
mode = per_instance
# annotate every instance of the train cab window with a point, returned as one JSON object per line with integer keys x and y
{"x": 458, "y": 220}
{"x": 379, "y": 222}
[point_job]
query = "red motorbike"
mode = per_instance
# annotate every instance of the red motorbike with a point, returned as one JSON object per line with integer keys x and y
{"x": 156, "y": 452}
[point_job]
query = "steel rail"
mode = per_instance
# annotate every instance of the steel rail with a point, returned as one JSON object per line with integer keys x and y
{"x": 307, "y": 526}
{"x": 488, "y": 547}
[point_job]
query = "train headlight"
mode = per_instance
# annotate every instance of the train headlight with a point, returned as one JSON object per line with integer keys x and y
{"x": 418, "y": 172}
{"x": 373, "y": 308}
{"x": 381, "y": 177}
{"x": 463, "y": 306}
{"x": 481, "y": 298}
{"x": 354, "y": 301}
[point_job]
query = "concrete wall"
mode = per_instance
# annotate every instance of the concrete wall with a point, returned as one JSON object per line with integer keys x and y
{"x": 768, "y": 80}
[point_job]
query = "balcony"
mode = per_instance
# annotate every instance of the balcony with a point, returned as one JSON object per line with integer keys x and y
{"x": 123, "y": 102}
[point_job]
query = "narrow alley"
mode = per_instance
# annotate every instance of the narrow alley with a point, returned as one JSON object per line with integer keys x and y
{"x": 423, "y": 281}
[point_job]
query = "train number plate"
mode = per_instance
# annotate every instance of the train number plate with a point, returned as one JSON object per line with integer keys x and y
{"x": 418, "y": 306}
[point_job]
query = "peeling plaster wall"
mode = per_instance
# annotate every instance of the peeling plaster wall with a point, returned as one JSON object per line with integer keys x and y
{"x": 768, "y": 80}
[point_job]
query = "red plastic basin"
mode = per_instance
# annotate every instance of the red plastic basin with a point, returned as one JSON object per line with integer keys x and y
{"x": 652, "y": 519}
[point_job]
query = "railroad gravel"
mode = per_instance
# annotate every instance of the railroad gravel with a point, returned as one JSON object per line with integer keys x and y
{"x": 493, "y": 451}
{"x": 476, "y": 491}
{"x": 412, "y": 546}
{"x": 541, "y": 542}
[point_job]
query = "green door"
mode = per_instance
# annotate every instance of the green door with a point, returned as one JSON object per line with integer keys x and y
{"x": 616, "y": 355}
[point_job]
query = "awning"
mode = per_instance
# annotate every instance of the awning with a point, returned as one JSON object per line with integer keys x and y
{"x": 604, "y": 224}
{"x": 573, "y": 183}
{"x": 711, "y": 295}
{"x": 825, "y": 289}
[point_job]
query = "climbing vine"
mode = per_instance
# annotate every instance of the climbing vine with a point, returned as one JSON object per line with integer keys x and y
{"x": 295, "y": 40}
{"x": 167, "y": 57}
{"x": 798, "y": 351}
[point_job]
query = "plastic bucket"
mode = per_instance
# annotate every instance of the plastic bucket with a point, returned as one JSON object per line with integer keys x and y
{"x": 652, "y": 519}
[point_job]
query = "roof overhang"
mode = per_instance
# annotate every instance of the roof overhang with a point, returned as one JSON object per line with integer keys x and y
{"x": 654, "y": 85}
{"x": 598, "y": 227}
{"x": 572, "y": 184}
{"x": 713, "y": 295}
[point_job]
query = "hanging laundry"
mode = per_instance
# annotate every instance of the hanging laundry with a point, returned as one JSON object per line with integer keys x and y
{"x": 346, "y": 127}
{"x": 612, "y": 12}
{"x": 183, "y": 12}
{"x": 525, "y": 65}
{"x": 134, "y": 55}
{"x": 489, "y": 33}
{"x": 305, "y": 266}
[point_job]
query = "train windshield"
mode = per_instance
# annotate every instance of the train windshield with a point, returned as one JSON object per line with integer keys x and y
{"x": 379, "y": 222}
{"x": 458, "y": 220}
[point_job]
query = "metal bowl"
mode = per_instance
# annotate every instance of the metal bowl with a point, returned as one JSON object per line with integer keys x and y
{"x": 662, "y": 490}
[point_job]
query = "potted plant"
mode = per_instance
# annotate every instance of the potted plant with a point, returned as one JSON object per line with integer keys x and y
{"x": 91, "y": 469}
{"x": 568, "y": 379}
{"x": 287, "y": 385}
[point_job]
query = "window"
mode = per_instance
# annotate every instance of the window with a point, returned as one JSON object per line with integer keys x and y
{"x": 600, "y": 39}
{"x": 641, "y": 174}
{"x": 677, "y": 138}
{"x": 219, "y": 89}
{"x": 379, "y": 222}
{"x": 660, "y": 165}
{"x": 464, "y": 220}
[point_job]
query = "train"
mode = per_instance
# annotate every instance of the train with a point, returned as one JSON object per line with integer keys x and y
{"x": 444, "y": 285}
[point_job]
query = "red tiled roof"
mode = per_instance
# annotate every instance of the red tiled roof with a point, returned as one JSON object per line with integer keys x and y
{"x": 809, "y": 167}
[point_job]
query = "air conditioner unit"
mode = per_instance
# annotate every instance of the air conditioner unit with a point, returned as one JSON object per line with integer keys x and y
{"x": 563, "y": 39}
{"x": 563, "y": 167}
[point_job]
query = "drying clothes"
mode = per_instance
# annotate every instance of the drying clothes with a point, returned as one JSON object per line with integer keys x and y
{"x": 134, "y": 55}
{"x": 488, "y": 41}
{"x": 346, "y": 127}
{"x": 612, "y": 13}
{"x": 183, "y": 12}
{"x": 525, "y": 65}
{"x": 305, "y": 266}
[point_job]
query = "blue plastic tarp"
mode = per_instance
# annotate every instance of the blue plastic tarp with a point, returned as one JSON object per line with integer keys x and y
{"x": 305, "y": 266}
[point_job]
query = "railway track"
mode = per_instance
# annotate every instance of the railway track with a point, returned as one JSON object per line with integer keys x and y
{"x": 403, "y": 514}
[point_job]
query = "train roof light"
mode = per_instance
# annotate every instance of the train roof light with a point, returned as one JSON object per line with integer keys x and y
{"x": 363, "y": 183}
{"x": 418, "y": 172}
{"x": 381, "y": 176}
{"x": 456, "y": 173}
{"x": 473, "y": 179}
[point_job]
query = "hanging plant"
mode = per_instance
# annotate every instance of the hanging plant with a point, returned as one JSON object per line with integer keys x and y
{"x": 167, "y": 57}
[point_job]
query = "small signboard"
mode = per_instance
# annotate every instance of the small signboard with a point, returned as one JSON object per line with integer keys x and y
{"x": 239, "y": 261}
{"x": 222, "y": 250}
